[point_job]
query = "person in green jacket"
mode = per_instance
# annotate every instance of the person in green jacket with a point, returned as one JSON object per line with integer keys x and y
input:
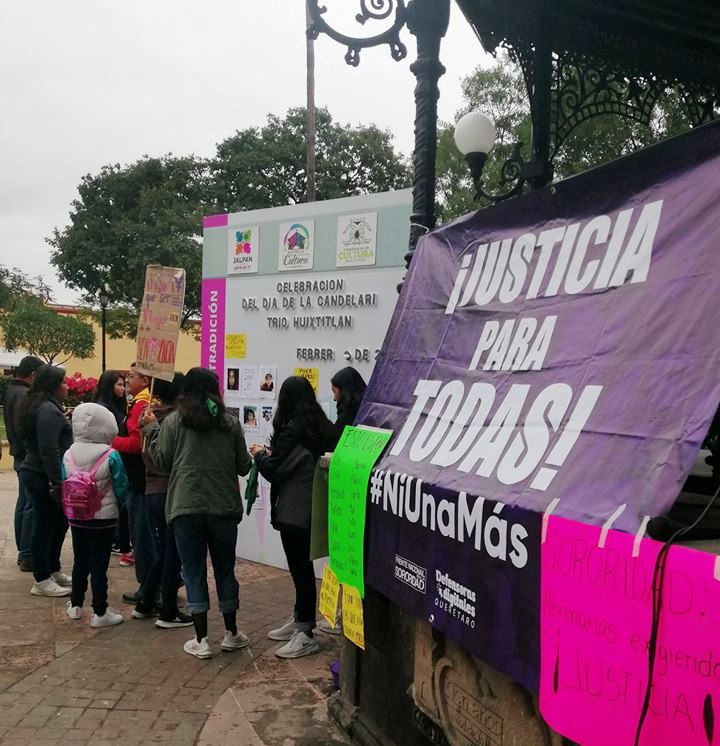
{"x": 203, "y": 449}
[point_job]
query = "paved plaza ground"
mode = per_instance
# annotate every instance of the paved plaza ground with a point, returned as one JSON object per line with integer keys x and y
{"x": 62, "y": 681}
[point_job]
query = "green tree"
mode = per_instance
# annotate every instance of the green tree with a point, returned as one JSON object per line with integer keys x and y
{"x": 34, "y": 327}
{"x": 500, "y": 92}
{"x": 125, "y": 218}
{"x": 266, "y": 166}
{"x": 16, "y": 285}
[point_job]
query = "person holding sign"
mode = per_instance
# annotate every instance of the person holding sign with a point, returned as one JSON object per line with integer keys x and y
{"x": 301, "y": 434}
{"x": 203, "y": 449}
{"x": 348, "y": 389}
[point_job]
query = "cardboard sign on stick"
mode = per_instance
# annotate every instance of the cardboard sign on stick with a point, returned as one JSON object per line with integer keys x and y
{"x": 159, "y": 323}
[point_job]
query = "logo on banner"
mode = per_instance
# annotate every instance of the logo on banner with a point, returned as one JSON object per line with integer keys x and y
{"x": 455, "y": 599}
{"x": 296, "y": 246}
{"x": 243, "y": 250}
{"x": 356, "y": 240}
{"x": 411, "y": 574}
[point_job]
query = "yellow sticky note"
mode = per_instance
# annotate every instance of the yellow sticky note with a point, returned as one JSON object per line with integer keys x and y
{"x": 312, "y": 374}
{"x": 352, "y": 616}
{"x": 329, "y": 594}
{"x": 235, "y": 345}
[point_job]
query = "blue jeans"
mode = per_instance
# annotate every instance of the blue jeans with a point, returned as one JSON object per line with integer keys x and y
{"x": 23, "y": 519}
{"x": 49, "y": 525}
{"x": 195, "y": 535}
{"x": 141, "y": 535}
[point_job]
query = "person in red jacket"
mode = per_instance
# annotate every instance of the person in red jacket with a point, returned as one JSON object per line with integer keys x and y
{"x": 129, "y": 445}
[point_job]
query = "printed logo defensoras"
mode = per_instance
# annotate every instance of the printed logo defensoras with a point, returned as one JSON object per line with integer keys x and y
{"x": 243, "y": 250}
{"x": 297, "y": 245}
{"x": 411, "y": 574}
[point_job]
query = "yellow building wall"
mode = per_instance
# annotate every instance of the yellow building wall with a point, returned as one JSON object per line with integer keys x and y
{"x": 121, "y": 353}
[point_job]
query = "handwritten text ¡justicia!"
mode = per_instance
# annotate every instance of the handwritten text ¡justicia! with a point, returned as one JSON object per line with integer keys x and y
{"x": 450, "y": 424}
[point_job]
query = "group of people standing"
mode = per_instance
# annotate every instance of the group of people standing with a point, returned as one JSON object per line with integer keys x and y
{"x": 159, "y": 479}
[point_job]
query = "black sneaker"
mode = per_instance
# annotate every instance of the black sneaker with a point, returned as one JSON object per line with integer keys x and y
{"x": 142, "y": 611}
{"x": 25, "y": 566}
{"x": 115, "y": 549}
{"x": 131, "y": 598}
{"x": 179, "y": 620}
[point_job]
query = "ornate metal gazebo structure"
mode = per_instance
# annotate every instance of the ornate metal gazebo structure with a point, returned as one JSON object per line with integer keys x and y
{"x": 580, "y": 59}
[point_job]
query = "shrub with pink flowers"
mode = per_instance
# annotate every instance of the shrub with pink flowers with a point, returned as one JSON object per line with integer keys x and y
{"x": 80, "y": 389}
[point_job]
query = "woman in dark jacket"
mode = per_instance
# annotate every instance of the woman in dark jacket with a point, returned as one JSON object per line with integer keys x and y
{"x": 301, "y": 434}
{"x": 46, "y": 434}
{"x": 110, "y": 393}
{"x": 348, "y": 388}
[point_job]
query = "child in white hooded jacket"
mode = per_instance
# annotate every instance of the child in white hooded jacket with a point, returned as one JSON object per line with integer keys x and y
{"x": 94, "y": 428}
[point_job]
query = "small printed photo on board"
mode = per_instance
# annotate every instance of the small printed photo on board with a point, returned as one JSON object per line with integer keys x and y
{"x": 267, "y": 412}
{"x": 234, "y": 412}
{"x": 250, "y": 416}
{"x": 267, "y": 378}
{"x": 233, "y": 379}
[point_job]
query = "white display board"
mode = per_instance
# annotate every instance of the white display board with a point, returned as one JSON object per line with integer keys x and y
{"x": 298, "y": 290}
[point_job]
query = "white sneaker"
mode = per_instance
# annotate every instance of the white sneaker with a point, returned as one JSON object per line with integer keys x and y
{"x": 62, "y": 579}
{"x": 234, "y": 642}
{"x": 285, "y": 633}
{"x": 301, "y": 644}
{"x": 48, "y": 587}
{"x": 325, "y": 627}
{"x": 108, "y": 619}
{"x": 74, "y": 612}
{"x": 200, "y": 649}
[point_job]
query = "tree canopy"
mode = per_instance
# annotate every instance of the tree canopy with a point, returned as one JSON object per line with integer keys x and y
{"x": 150, "y": 212}
{"x": 43, "y": 332}
{"x": 499, "y": 91}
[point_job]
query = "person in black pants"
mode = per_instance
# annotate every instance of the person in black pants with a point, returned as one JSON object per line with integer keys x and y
{"x": 164, "y": 573}
{"x": 46, "y": 435}
{"x": 301, "y": 434}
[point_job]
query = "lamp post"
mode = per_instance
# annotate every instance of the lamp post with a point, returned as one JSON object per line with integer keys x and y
{"x": 104, "y": 300}
{"x": 475, "y": 135}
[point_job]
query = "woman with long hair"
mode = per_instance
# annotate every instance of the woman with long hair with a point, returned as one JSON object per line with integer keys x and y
{"x": 301, "y": 434}
{"x": 46, "y": 434}
{"x": 203, "y": 449}
{"x": 348, "y": 389}
{"x": 110, "y": 393}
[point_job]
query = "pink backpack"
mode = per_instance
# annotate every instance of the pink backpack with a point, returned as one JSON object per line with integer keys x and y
{"x": 81, "y": 497}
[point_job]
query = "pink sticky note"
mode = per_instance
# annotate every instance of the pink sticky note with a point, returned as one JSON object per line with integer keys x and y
{"x": 595, "y": 622}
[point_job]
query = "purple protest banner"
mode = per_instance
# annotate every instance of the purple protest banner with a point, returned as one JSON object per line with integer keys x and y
{"x": 560, "y": 350}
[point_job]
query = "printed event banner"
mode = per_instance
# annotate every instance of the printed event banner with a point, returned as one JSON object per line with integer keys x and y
{"x": 160, "y": 319}
{"x": 212, "y": 315}
{"x": 560, "y": 349}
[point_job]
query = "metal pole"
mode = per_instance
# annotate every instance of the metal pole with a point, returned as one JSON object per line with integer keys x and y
{"x": 103, "y": 324}
{"x": 428, "y": 21}
{"x": 310, "y": 125}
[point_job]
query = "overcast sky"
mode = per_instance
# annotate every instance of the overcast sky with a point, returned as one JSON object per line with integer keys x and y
{"x": 90, "y": 82}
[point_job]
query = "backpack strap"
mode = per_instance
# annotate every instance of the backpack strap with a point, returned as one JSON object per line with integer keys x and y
{"x": 71, "y": 462}
{"x": 103, "y": 458}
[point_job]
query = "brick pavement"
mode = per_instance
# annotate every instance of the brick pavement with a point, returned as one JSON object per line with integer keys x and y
{"x": 63, "y": 681}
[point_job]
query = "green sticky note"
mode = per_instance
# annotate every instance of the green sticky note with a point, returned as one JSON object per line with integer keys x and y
{"x": 356, "y": 453}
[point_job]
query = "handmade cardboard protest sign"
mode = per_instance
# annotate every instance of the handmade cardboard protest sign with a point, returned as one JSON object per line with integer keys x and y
{"x": 350, "y": 467}
{"x": 352, "y": 616}
{"x": 562, "y": 346}
{"x": 595, "y": 627}
{"x": 159, "y": 323}
{"x": 329, "y": 595}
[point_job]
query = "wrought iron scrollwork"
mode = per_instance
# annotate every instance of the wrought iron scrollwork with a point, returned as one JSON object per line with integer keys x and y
{"x": 585, "y": 88}
{"x": 370, "y": 10}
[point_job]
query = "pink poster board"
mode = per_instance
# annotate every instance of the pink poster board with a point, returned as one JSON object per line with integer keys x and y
{"x": 212, "y": 334}
{"x": 595, "y": 622}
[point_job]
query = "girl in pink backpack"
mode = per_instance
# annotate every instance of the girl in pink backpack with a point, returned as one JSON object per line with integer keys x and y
{"x": 94, "y": 488}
